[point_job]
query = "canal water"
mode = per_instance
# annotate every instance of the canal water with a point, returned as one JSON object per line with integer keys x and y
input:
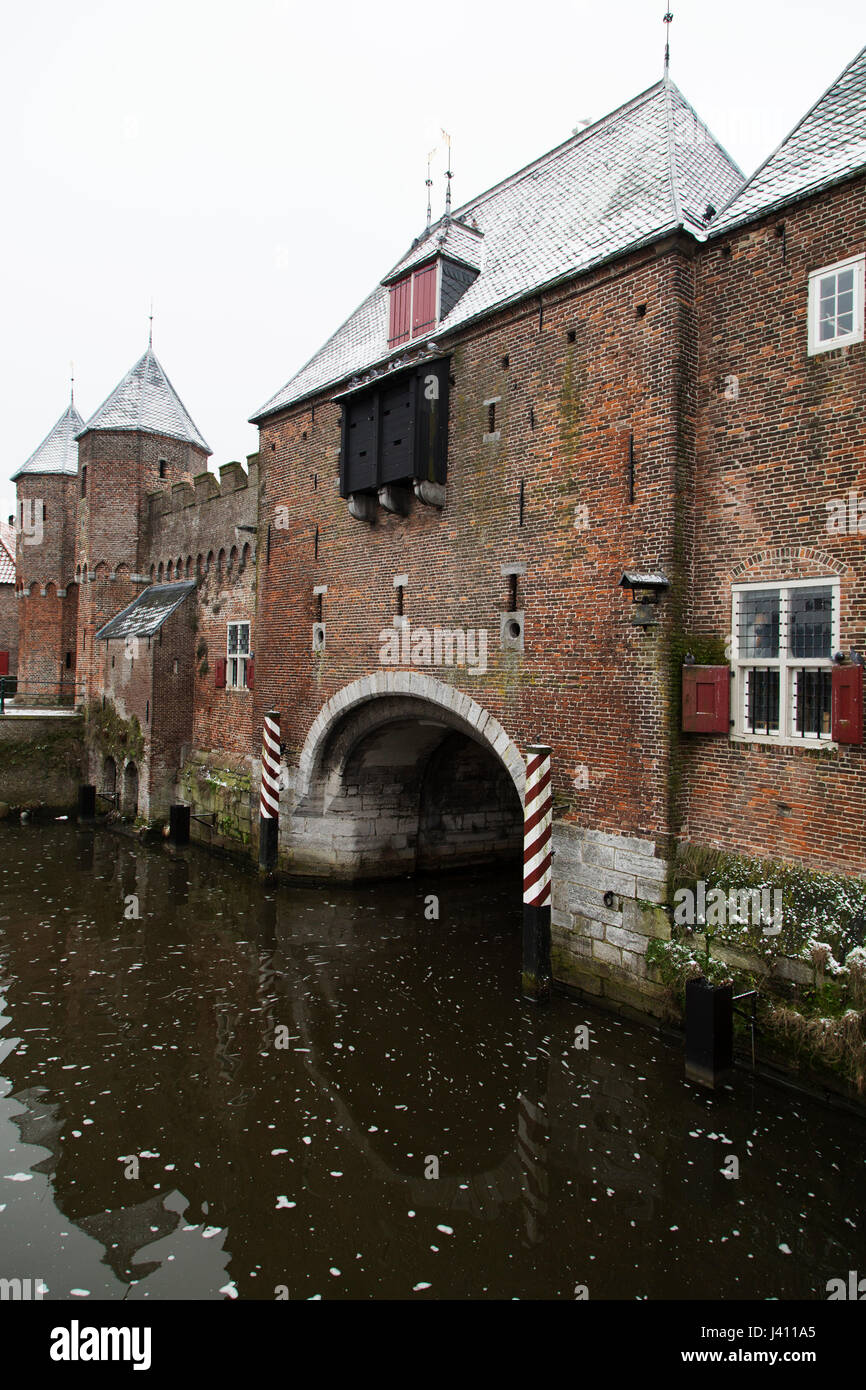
{"x": 209, "y": 1090}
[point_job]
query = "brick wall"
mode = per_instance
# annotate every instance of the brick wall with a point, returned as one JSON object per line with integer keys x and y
{"x": 770, "y": 456}
{"x": 9, "y": 602}
{"x": 588, "y": 681}
{"x": 45, "y": 564}
{"x": 123, "y": 467}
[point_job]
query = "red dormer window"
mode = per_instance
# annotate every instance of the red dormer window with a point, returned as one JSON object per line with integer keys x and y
{"x": 413, "y": 305}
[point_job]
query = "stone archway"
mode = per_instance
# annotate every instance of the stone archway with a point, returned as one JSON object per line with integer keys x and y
{"x": 109, "y": 778}
{"x": 130, "y": 791}
{"x": 402, "y": 772}
{"x": 450, "y": 702}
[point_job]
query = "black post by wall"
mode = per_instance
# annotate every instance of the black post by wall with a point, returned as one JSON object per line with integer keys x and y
{"x": 709, "y": 1033}
{"x": 178, "y": 824}
{"x": 86, "y": 802}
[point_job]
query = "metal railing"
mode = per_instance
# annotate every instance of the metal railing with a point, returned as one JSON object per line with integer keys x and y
{"x": 63, "y": 692}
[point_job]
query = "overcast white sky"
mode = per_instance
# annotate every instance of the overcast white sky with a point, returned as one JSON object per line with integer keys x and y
{"x": 258, "y": 167}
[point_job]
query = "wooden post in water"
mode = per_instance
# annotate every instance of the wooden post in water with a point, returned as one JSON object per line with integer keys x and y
{"x": 86, "y": 802}
{"x": 269, "y": 817}
{"x": 537, "y": 860}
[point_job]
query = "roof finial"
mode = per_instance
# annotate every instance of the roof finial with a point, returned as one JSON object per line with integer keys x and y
{"x": 448, "y": 174}
{"x": 668, "y": 21}
{"x": 150, "y": 334}
{"x": 71, "y": 383}
{"x": 429, "y": 186}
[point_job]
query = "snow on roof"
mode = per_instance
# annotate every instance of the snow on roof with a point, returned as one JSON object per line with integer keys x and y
{"x": 645, "y": 170}
{"x": 446, "y": 237}
{"x": 147, "y": 613}
{"x": 146, "y": 400}
{"x": 827, "y": 145}
{"x": 58, "y": 452}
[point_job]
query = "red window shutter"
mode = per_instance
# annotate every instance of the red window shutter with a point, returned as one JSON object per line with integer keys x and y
{"x": 706, "y": 699}
{"x": 401, "y": 299}
{"x": 251, "y": 671}
{"x": 219, "y": 673}
{"x": 4, "y": 663}
{"x": 424, "y": 300}
{"x": 847, "y": 704}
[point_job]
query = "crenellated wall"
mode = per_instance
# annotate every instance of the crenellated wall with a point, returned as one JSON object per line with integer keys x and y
{"x": 191, "y": 520}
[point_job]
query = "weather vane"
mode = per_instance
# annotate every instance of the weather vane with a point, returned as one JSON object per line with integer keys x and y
{"x": 448, "y": 175}
{"x": 668, "y": 21}
{"x": 429, "y": 186}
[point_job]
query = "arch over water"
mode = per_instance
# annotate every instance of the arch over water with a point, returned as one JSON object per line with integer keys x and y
{"x": 404, "y": 773}
{"x": 453, "y": 706}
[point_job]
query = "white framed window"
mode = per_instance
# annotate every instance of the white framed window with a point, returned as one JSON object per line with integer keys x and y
{"x": 784, "y": 637}
{"x": 836, "y": 305}
{"x": 237, "y": 655}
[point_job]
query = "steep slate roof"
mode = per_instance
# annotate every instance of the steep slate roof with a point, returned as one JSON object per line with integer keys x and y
{"x": 58, "y": 452}
{"x": 7, "y": 553}
{"x": 828, "y": 144}
{"x": 146, "y": 400}
{"x": 147, "y": 613}
{"x": 645, "y": 170}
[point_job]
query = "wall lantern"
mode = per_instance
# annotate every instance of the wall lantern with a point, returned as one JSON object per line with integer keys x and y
{"x": 647, "y": 588}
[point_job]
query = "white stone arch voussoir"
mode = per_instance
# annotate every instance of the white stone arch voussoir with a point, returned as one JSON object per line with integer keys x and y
{"x": 479, "y": 724}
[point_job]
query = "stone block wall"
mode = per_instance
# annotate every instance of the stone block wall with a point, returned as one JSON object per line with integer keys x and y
{"x": 220, "y": 790}
{"x": 41, "y": 759}
{"x": 606, "y": 898}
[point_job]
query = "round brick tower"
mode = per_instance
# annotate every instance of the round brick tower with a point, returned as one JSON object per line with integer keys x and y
{"x": 140, "y": 439}
{"x": 45, "y": 562}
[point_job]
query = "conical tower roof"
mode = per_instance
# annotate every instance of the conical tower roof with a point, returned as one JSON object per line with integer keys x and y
{"x": 146, "y": 400}
{"x": 58, "y": 452}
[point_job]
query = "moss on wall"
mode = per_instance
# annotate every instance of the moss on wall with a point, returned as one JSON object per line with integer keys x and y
{"x": 41, "y": 761}
{"x": 221, "y": 793}
{"x": 110, "y": 735}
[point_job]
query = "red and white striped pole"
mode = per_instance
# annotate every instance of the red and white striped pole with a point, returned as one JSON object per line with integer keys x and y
{"x": 537, "y": 861}
{"x": 269, "y": 818}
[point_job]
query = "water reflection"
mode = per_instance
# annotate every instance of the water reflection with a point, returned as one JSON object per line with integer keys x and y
{"x": 309, "y": 1166}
